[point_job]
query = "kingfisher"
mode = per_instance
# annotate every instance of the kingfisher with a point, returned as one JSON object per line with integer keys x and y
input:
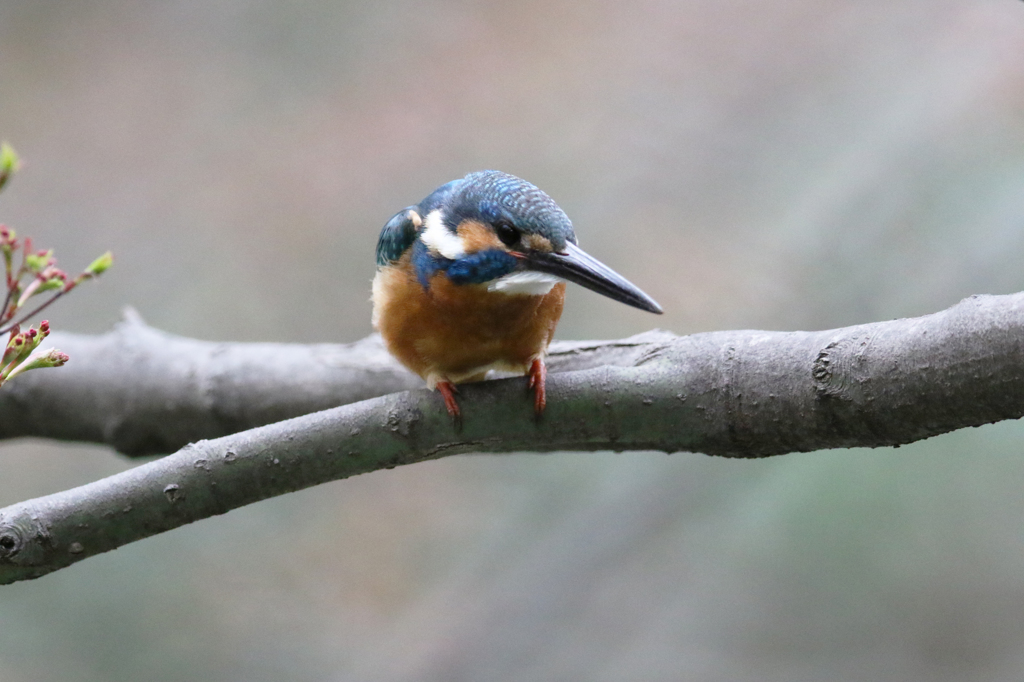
{"x": 473, "y": 279}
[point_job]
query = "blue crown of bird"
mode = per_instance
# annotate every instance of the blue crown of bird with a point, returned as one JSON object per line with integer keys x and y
{"x": 473, "y": 279}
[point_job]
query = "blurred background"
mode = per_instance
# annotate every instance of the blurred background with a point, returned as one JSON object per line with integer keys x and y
{"x": 798, "y": 164}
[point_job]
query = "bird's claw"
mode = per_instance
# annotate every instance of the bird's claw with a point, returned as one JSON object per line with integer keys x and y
{"x": 447, "y": 390}
{"x": 538, "y": 376}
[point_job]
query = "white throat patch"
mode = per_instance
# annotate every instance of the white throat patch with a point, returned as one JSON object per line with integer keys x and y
{"x": 440, "y": 239}
{"x": 529, "y": 283}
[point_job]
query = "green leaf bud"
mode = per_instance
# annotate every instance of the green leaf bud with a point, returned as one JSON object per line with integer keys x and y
{"x": 100, "y": 265}
{"x": 9, "y": 163}
{"x": 38, "y": 261}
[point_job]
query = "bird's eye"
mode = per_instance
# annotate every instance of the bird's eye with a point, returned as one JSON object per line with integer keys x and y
{"x": 506, "y": 232}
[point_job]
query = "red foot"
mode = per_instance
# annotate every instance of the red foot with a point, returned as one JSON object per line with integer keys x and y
{"x": 447, "y": 390}
{"x": 538, "y": 375}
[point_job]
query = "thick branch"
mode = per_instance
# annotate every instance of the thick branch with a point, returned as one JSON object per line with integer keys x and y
{"x": 737, "y": 394}
{"x": 145, "y": 392}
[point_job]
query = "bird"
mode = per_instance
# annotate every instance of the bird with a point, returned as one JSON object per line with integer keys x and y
{"x": 473, "y": 279}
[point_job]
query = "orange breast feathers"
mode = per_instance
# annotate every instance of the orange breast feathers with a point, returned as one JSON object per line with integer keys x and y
{"x": 456, "y": 333}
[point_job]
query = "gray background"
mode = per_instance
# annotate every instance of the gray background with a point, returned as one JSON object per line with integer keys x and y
{"x": 798, "y": 164}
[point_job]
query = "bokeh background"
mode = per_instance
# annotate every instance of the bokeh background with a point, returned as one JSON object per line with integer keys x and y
{"x": 795, "y": 164}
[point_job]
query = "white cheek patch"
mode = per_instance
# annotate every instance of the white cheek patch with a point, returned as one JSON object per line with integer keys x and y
{"x": 440, "y": 239}
{"x": 529, "y": 283}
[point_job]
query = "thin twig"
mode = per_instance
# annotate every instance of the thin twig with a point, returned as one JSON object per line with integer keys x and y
{"x": 35, "y": 312}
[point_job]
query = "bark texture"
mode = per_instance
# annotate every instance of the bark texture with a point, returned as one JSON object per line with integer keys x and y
{"x": 735, "y": 394}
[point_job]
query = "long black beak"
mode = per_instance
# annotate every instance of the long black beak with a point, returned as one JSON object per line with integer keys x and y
{"x": 576, "y": 265}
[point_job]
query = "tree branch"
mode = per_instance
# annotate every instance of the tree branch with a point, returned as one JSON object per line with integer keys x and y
{"x": 145, "y": 392}
{"x": 736, "y": 394}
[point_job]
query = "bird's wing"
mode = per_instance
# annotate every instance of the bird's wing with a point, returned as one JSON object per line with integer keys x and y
{"x": 398, "y": 235}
